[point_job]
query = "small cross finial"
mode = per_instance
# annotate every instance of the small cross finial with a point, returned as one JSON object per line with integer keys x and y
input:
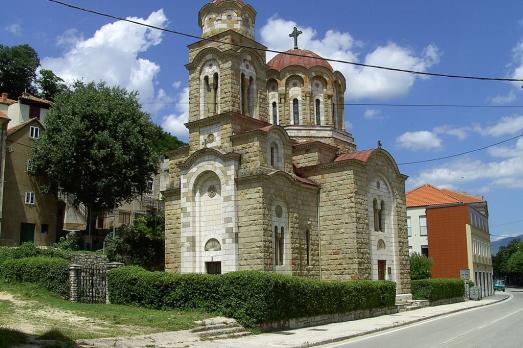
{"x": 295, "y": 33}
{"x": 380, "y": 144}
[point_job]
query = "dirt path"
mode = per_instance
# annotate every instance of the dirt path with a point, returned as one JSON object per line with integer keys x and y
{"x": 33, "y": 318}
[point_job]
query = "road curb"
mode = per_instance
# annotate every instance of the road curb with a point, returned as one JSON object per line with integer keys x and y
{"x": 359, "y": 334}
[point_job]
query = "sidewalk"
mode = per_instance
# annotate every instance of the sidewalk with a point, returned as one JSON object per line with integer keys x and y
{"x": 314, "y": 336}
{"x": 306, "y": 337}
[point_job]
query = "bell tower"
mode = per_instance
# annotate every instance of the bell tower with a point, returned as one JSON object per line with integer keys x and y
{"x": 227, "y": 69}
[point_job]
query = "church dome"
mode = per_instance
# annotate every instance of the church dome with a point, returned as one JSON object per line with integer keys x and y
{"x": 220, "y": 1}
{"x": 297, "y": 57}
{"x": 218, "y": 16}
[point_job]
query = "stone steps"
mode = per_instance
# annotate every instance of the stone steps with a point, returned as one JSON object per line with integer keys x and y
{"x": 219, "y": 328}
{"x": 412, "y": 305}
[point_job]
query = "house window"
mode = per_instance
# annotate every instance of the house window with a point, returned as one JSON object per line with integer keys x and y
{"x": 425, "y": 250}
{"x": 30, "y": 198}
{"x": 100, "y": 222}
{"x": 318, "y": 112}
{"x": 423, "y": 225}
{"x": 308, "y": 246}
{"x": 45, "y": 228}
{"x": 296, "y": 111}
{"x": 274, "y": 113}
{"x": 124, "y": 218}
{"x": 34, "y": 132}
{"x": 409, "y": 227}
{"x": 34, "y": 112}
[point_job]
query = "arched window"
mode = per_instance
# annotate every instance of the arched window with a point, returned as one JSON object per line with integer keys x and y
{"x": 308, "y": 246}
{"x": 382, "y": 217}
{"x": 335, "y": 114}
{"x": 274, "y": 113}
{"x": 214, "y": 95}
{"x": 375, "y": 210}
{"x": 318, "y": 112}
{"x": 213, "y": 245}
{"x": 207, "y": 96}
{"x": 244, "y": 94}
{"x": 282, "y": 245}
{"x": 381, "y": 245}
{"x": 273, "y": 154}
{"x": 251, "y": 95}
{"x": 296, "y": 111}
{"x": 276, "y": 246}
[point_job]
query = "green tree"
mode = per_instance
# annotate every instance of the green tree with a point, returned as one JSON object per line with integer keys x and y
{"x": 500, "y": 260}
{"x": 49, "y": 84}
{"x": 420, "y": 267}
{"x": 141, "y": 244}
{"x": 515, "y": 263}
{"x": 18, "y": 66}
{"x": 164, "y": 142}
{"x": 97, "y": 147}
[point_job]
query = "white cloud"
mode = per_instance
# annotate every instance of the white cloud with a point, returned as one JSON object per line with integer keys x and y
{"x": 177, "y": 84}
{"x": 15, "y": 29}
{"x": 508, "y": 151}
{"x": 362, "y": 82}
{"x": 175, "y": 123}
{"x": 506, "y": 126}
{"x": 517, "y": 54}
{"x": 69, "y": 38}
{"x": 504, "y": 99}
{"x": 112, "y": 54}
{"x": 373, "y": 114}
{"x": 459, "y": 132}
{"x": 420, "y": 140}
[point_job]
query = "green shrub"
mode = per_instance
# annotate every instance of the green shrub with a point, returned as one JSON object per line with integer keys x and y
{"x": 420, "y": 267}
{"x": 30, "y": 250}
{"x": 51, "y": 273}
{"x": 250, "y": 297}
{"x": 437, "y": 289}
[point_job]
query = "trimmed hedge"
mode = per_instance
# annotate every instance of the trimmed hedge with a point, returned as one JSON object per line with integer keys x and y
{"x": 51, "y": 273}
{"x": 250, "y": 297}
{"x": 437, "y": 289}
{"x": 30, "y": 250}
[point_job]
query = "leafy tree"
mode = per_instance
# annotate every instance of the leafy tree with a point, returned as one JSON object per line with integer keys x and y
{"x": 49, "y": 84}
{"x": 420, "y": 267}
{"x": 18, "y": 66}
{"x": 500, "y": 260}
{"x": 164, "y": 142}
{"x": 141, "y": 244}
{"x": 515, "y": 263}
{"x": 97, "y": 147}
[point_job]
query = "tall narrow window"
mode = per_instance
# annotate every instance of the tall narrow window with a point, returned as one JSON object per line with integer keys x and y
{"x": 409, "y": 227}
{"x": 207, "y": 96}
{"x": 282, "y": 244}
{"x": 272, "y": 155}
{"x": 296, "y": 111}
{"x": 375, "y": 210}
{"x": 382, "y": 216}
{"x": 318, "y": 112}
{"x": 215, "y": 94}
{"x": 423, "y": 225}
{"x": 30, "y": 198}
{"x": 334, "y": 115}
{"x": 34, "y": 132}
{"x": 308, "y": 246}
{"x": 243, "y": 96}
{"x": 274, "y": 113}
{"x": 276, "y": 246}
{"x": 251, "y": 97}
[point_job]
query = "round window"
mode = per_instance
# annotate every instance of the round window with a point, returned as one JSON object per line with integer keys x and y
{"x": 211, "y": 191}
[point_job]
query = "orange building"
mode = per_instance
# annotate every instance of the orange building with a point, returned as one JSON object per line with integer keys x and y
{"x": 456, "y": 232}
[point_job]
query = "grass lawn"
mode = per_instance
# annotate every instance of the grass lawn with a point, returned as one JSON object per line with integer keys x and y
{"x": 30, "y": 309}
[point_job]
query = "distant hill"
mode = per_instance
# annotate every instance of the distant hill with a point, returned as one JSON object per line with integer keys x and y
{"x": 494, "y": 246}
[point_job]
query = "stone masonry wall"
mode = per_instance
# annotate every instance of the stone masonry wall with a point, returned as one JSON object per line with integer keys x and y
{"x": 173, "y": 215}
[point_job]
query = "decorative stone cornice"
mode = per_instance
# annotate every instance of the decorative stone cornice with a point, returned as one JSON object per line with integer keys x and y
{"x": 209, "y": 151}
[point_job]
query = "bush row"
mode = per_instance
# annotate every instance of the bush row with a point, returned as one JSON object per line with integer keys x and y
{"x": 437, "y": 289}
{"x": 250, "y": 297}
{"x": 51, "y": 273}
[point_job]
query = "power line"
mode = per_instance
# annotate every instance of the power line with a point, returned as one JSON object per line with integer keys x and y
{"x": 377, "y": 105}
{"x": 415, "y": 72}
{"x": 462, "y": 153}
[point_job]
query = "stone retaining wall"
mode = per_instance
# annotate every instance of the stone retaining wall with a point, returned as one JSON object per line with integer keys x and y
{"x": 299, "y": 323}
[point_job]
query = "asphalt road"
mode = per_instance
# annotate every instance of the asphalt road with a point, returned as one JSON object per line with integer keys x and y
{"x": 499, "y": 325}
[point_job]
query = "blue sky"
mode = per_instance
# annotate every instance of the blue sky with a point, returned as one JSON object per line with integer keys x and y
{"x": 459, "y": 37}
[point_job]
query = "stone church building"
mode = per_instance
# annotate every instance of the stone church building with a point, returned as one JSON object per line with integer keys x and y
{"x": 271, "y": 180}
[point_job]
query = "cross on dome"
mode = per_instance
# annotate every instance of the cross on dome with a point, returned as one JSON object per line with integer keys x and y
{"x": 295, "y": 33}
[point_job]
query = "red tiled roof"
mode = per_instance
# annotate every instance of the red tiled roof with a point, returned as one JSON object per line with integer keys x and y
{"x": 30, "y": 97}
{"x": 311, "y": 59}
{"x": 220, "y": 1}
{"x": 306, "y": 181}
{"x": 358, "y": 155}
{"x": 427, "y": 195}
{"x": 18, "y": 127}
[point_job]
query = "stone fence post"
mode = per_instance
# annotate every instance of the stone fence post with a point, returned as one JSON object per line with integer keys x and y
{"x": 110, "y": 266}
{"x": 74, "y": 282}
